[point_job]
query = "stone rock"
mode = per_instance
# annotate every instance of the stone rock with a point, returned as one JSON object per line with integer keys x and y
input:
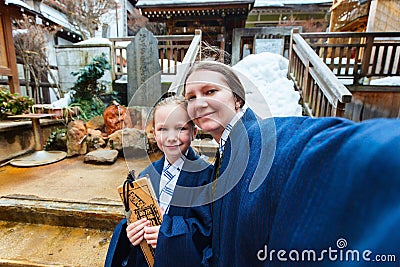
{"x": 95, "y": 139}
{"x": 151, "y": 139}
{"x": 76, "y": 134}
{"x": 128, "y": 137}
{"x": 101, "y": 156}
{"x": 116, "y": 117}
{"x": 96, "y": 123}
{"x": 143, "y": 67}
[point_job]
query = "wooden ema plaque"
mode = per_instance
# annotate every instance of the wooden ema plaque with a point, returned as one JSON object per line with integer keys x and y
{"x": 142, "y": 204}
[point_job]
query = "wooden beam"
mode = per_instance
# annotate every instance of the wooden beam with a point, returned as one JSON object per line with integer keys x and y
{"x": 336, "y": 4}
{"x": 7, "y": 46}
{"x": 373, "y": 88}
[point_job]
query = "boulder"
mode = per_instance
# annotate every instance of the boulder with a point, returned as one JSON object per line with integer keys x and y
{"x": 101, "y": 156}
{"x": 76, "y": 134}
{"x": 128, "y": 137}
{"x": 116, "y": 117}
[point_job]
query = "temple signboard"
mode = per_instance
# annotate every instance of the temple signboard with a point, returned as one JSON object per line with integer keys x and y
{"x": 275, "y": 46}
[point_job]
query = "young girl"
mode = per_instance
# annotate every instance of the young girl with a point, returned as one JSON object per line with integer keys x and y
{"x": 184, "y": 228}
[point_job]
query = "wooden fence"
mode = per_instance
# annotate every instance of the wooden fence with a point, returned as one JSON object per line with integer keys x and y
{"x": 359, "y": 56}
{"x": 322, "y": 93}
{"x": 171, "y": 50}
{"x": 351, "y": 59}
{"x": 26, "y": 85}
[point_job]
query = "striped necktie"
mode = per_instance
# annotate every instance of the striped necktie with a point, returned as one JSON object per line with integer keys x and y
{"x": 168, "y": 186}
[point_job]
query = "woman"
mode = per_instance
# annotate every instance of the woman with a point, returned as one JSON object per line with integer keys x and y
{"x": 276, "y": 185}
{"x": 216, "y": 104}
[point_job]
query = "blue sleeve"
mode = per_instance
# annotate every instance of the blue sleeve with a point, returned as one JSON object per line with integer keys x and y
{"x": 344, "y": 193}
{"x": 184, "y": 238}
{"x": 187, "y": 237}
{"x": 119, "y": 247}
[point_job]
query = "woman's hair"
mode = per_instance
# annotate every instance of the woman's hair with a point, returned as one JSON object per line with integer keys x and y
{"x": 231, "y": 78}
{"x": 172, "y": 100}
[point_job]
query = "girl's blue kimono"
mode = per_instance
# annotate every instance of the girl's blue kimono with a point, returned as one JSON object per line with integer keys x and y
{"x": 185, "y": 231}
{"x": 303, "y": 184}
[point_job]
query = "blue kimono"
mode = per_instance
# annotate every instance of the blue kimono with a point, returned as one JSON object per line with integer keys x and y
{"x": 343, "y": 194}
{"x": 185, "y": 231}
{"x": 298, "y": 183}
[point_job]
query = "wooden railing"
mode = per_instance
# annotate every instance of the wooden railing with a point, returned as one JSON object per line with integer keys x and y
{"x": 45, "y": 85}
{"x": 360, "y": 56}
{"x": 344, "y": 84}
{"x": 193, "y": 53}
{"x": 171, "y": 50}
{"x": 322, "y": 93}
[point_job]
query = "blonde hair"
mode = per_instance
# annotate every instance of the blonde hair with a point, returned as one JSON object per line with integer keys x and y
{"x": 231, "y": 79}
{"x": 172, "y": 100}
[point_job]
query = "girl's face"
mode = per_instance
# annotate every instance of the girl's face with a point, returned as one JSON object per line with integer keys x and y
{"x": 211, "y": 102}
{"x": 173, "y": 131}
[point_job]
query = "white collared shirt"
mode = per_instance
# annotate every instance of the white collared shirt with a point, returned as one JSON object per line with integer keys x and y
{"x": 228, "y": 129}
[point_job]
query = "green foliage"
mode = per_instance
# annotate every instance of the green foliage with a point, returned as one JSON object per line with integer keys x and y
{"x": 87, "y": 84}
{"x": 89, "y": 108}
{"x": 13, "y": 104}
{"x": 57, "y": 140}
{"x": 88, "y": 89}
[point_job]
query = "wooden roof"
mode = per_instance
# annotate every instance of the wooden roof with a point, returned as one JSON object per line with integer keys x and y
{"x": 187, "y": 3}
{"x": 292, "y": 7}
{"x": 182, "y": 8}
{"x": 17, "y": 8}
{"x": 283, "y": 3}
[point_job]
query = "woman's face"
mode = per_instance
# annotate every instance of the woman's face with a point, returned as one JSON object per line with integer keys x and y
{"x": 211, "y": 102}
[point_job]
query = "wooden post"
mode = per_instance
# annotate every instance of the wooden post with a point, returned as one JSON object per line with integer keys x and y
{"x": 366, "y": 56}
{"x": 340, "y": 109}
{"x": 222, "y": 43}
{"x": 291, "y": 60}
{"x": 8, "y": 60}
{"x": 334, "y": 15}
{"x": 197, "y": 32}
{"x": 307, "y": 83}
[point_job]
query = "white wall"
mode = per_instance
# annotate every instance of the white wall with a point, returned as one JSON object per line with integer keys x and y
{"x": 116, "y": 28}
{"x": 70, "y": 59}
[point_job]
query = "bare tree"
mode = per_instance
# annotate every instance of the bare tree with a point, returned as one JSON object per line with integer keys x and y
{"x": 84, "y": 15}
{"x": 137, "y": 21}
{"x": 30, "y": 41}
{"x": 309, "y": 25}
